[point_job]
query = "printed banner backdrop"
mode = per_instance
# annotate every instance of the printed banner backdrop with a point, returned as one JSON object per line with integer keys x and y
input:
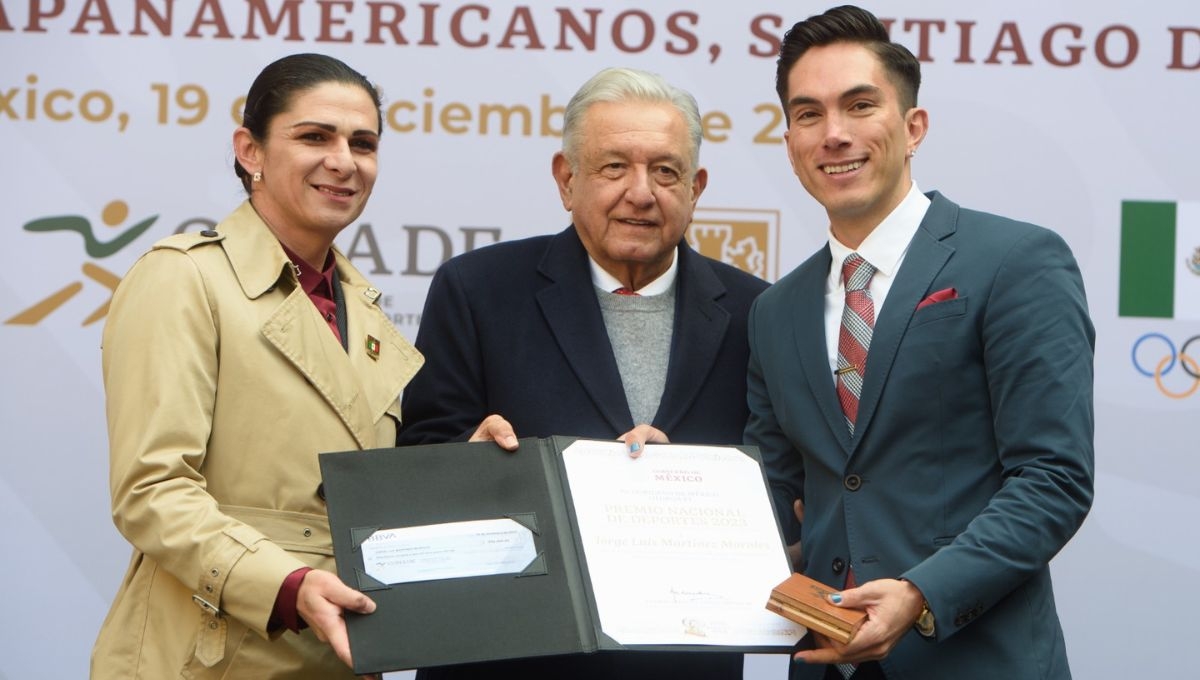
{"x": 116, "y": 120}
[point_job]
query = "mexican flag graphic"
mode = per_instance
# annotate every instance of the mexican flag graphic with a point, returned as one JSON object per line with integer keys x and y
{"x": 1160, "y": 260}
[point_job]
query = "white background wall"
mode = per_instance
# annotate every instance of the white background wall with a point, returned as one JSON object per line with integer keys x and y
{"x": 1047, "y": 141}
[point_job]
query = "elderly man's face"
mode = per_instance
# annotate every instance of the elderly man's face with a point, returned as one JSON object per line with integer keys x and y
{"x": 632, "y": 190}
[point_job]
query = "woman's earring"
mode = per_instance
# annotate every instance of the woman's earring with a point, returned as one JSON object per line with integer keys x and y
{"x": 257, "y": 177}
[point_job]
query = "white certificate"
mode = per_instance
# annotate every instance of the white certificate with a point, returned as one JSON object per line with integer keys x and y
{"x": 451, "y": 550}
{"x": 681, "y": 544}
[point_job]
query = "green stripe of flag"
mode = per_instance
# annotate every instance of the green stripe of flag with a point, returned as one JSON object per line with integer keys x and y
{"x": 1147, "y": 259}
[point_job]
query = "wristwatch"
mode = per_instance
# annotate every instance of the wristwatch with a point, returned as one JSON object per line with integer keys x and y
{"x": 925, "y": 624}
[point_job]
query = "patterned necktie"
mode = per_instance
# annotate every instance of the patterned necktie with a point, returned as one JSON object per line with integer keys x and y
{"x": 854, "y": 339}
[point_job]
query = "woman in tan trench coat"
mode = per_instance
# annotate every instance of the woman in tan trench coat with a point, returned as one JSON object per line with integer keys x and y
{"x": 231, "y": 358}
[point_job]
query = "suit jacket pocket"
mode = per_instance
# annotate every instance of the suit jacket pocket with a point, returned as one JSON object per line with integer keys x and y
{"x": 939, "y": 310}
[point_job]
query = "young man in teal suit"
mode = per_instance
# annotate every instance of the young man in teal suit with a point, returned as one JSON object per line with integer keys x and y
{"x": 923, "y": 384}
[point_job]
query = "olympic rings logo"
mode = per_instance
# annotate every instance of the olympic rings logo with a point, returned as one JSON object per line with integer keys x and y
{"x": 1188, "y": 363}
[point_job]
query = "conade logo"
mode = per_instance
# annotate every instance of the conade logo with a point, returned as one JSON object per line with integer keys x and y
{"x": 113, "y": 215}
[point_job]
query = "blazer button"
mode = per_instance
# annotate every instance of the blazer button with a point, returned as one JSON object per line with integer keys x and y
{"x": 209, "y": 233}
{"x": 321, "y": 491}
{"x": 838, "y": 566}
{"x": 852, "y": 482}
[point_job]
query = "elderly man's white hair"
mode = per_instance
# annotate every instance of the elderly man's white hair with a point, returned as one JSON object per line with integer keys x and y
{"x": 627, "y": 84}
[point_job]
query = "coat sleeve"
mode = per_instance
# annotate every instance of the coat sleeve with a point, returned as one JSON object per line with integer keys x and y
{"x": 1038, "y": 356}
{"x": 447, "y": 399}
{"x": 160, "y": 364}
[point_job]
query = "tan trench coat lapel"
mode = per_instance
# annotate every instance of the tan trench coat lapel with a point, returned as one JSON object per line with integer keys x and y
{"x": 354, "y": 387}
{"x": 304, "y": 339}
{"x": 383, "y": 373}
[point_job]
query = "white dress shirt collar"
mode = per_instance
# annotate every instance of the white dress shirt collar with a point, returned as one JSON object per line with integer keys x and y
{"x": 605, "y": 281}
{"x": 886, "y": 245}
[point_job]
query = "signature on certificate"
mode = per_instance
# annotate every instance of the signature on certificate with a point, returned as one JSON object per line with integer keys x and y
{"x": 678, "y": 595}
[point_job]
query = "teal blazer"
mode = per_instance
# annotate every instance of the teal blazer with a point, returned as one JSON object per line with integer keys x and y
{"x": 972, "y": 461}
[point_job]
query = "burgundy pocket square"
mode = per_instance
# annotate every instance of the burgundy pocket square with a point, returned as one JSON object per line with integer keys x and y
{"x": 939, "y": 296}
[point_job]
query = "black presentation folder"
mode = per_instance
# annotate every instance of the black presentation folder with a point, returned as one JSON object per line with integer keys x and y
{"x": 547, "y": 609}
